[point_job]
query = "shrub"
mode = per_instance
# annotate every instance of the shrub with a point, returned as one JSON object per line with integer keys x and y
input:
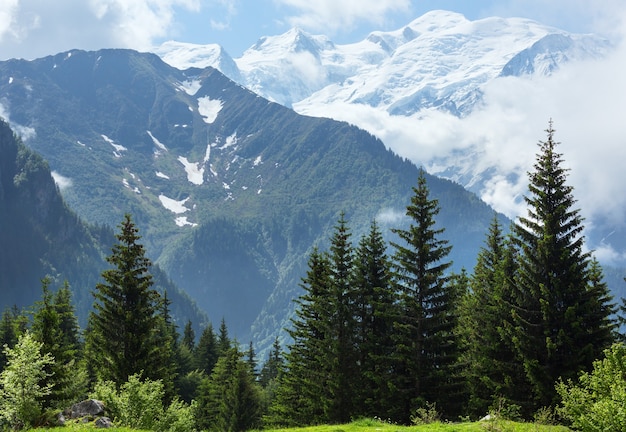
{"x": 598, "y": 401}
{"x": 21, "y": 383}
{"x": 425, "y": 415}
{"x": 139, "y": 405}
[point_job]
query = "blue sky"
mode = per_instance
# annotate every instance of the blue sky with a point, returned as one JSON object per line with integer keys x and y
{"x": 35, "y": 28}
{"x": 236, "y": 25}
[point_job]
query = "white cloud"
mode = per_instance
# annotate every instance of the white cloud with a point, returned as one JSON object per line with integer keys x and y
{"x": 332, "y": 15}
{"x": 35, "y": 28}
{"x": 8, "y": 11}
{"x": 585, "y": 99}
{"x": 136, "y": 24}
{"x": 24, "y": 132}
{"x": 61, "y": 181}
{"x": 580, "y": 16}
{"x": 390, "y": 216}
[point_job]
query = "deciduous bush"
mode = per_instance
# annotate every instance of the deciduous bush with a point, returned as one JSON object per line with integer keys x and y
{"x": 139, "y": 405}
{"x": 598, "y": 401}
{"x": 22, "y": 385}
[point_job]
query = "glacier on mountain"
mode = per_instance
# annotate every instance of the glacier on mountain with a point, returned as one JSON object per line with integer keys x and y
{"x": 465, "y": 99}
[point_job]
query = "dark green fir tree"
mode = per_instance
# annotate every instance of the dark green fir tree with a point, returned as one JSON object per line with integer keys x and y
{"x": 207, "y": 351}
{"x": 123, "y": 337}
{"x": 342, "y": 356}
{"x": 230, "y": 399}
{"x": 303, "y": 396}
{"x": 55, "y": 326}
{"x": 562, "y": 314}
{"x": 426, "y": 347}
{"x": 492, "y": 371}
{"x": 374, "y": 313}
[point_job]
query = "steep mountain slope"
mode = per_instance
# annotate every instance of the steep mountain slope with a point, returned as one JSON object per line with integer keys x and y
{"x": 41, "y": 237}
{"x": 229, "y": 190}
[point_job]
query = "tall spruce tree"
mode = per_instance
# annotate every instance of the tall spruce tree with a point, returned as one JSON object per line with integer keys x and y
{"x": 8, "y": 334}
{"x": 426, "y": 349}
{"x": 492, "y": 371}
{"x": 230, "y": 399}
{"x": 562, "y": 318}
{"x": 303, "y": 396}
{"x": 55, "y": 327}
{"x": 342, "y": 355}
{"x": 207, "y": 352}
{"x": 166, "y": 336}
{"x": 374, "y": 312}
{"x": 273, "y": 366}
{"x": 189, "y": 337}
{"x": 123, "y": 337}
{"x": 223, "y": 340}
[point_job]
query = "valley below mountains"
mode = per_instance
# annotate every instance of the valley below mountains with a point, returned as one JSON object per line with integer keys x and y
{"x": 231, "y": 190}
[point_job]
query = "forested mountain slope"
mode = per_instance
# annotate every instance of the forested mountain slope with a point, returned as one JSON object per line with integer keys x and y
{"x": 41, "y": 237}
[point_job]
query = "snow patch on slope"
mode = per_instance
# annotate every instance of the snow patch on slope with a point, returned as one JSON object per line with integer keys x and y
{"x": 156, "y": 142}
{"x": 231, "y": 140}
{"x": 190, "y": 87}
{"x": 209, "y": 108}
{"x": 118, "y": 148}
{"x": 182, "y": 221}
{"x": 195, "y": 173}
{"x": 174, "y": 206}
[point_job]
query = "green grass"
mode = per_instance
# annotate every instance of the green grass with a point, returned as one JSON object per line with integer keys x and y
{"x": 83, "y": 427}
{"x": 368, "y": 425}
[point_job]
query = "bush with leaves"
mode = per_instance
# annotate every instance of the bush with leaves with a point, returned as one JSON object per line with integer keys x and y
{"x": 139, "y": 405}
{"x": 598, "y": 401}
{"x": 22, "y": 387}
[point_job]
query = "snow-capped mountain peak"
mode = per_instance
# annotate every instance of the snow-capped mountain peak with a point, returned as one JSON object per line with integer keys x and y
{"x": 294, "y": 40}
{"x": 440, "y": 59}
{"x": 187, "y": 55}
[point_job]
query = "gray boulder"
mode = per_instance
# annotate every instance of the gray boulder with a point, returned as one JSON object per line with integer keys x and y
{"x": 87, "y": 408}
{"x": 104, "y": 422}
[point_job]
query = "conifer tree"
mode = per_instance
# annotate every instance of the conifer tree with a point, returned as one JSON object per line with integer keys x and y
{"x": 229, "y": 399}
{"x": 166, "y": 337}
{"x": 426, "y": 349}
{"x": 303, "y": 396}
{"x": 341, "y": 325}
{"x": 492, "y": 369}
{"x": 561, "y": 318}
{"x": 273, "y": 366}
{"x": 207, "y": 351}
{"x": 8, "y": 334}
{"x": 223, "y": 340}
{"x": 251, "y": 359}
{"x": 123, "y": 338}
{"x": 55, "y": 327}
{"x": 189, "y": 337}
{"x": 68, "y": 322}
{"x": 374, "y": 309}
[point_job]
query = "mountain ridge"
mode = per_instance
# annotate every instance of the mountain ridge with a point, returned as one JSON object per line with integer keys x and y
{"x": 205, "y": 165}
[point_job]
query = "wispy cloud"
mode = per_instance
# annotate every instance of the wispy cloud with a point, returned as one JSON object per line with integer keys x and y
{"x": 585, "y": 99}
{"x": 331, "y": 16}
{"x": 33, "y": 28}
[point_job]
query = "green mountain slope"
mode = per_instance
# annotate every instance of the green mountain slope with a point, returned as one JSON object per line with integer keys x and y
{"x": 229, "y": 190}
{"x": 41, "y": 237}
